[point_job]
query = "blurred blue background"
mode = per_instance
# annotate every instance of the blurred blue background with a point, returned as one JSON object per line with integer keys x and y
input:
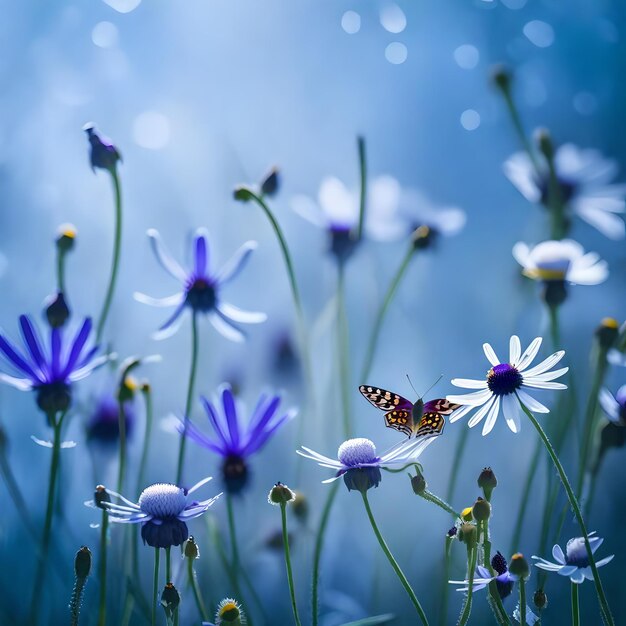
{"x": 200, "y": 96}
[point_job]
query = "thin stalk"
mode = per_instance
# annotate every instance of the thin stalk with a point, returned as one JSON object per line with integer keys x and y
{"x": 47, "y": 528}
{"x": 117, "y": 245}
{"x": 102, "y": 569}
{"x": 442, "y": 504}
{"x": 393, "y": 562}
{"x": 155, "y": 585}
{"x": 521, "y": 583}
{"x": 555, "y": 330}
{"x": 382, "y": 311}
{"x": 76, "y": 600}
{"x": 189, "y": 400}
{"x": 147, "y": 396}
{"x": 604, "y": 606}
{"x": 443, "y": 608}
{"x": 61, "y": 270}
{"x": 471, "y": 566}
{"x": 234, "y": 547}
{"x": 362, "y": 185}
{"x": 121, "y": 420}
{"x": 494, "y": 599}
{"x": 343, "y": 350}
{"x": 292, "y": 589}
{"x": 456, "y": 462}
{"x": 196, "y": 592}
{"x": 555, "y": 201}
{"x": 317, "y": 553}
{"x": 575, "y": 609}
{"x": 168, "y": 564}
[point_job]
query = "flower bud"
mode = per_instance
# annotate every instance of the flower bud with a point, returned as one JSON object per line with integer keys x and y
{"x": 243, "y": 194}
{"x": 418, "y": 483}
{"x": 519, "y": 566}
{"x": 271, "y": 182}
{"x": 190, "y": 548}
{"x": 82, "y": 562}
{"x": 544, "y": 142}
{"x": 468, "y": 534}
{"x": 145, "y": 387}
{"x": 501, "y": 76}
{"x": 540, "y": 599}
{"x": 481, "y": 510}
{"x": 300, "y": 507}
{"x": 104, "y": 155}
{"x": 66, "y": 237}
{"x": 554, "y": 293}
{"x": 280, "y": 494}
{"x": 170, "y": 599}
{"x": 452, "y": 532}
{"x": 607, "y": 333}
{"x": 423, "y": 237}
{"x": 127, "y": 389}
{"x": 466, "y": 514}
{"x": 100, "y": 496}
{"x": 57, "y": 310}
{"x": 229, "y": 612}
{"x": 487, "y": 481}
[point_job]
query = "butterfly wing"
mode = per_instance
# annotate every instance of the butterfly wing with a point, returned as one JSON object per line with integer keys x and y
{"x": 385, "y": 400}
{"x": 431, "y": 424}
{"x": 399, "y": 419}
{"x": 440, "y": 405}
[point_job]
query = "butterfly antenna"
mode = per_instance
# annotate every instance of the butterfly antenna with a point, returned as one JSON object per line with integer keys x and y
{"x": 440, "y": 377}
{"x": 410, "y": 383}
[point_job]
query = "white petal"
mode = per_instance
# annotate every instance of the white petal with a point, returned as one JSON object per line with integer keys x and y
{"x": 550, "y": 375}
{"x": 515, "y": 350}
{"x": 609, "y": 404}
{"x": 511, "y": 410}
{"x": 459, "y": 413}
{"x": 604, "y": 561}
{"x": 236, "y": 263}
{"x": 340, "y": 205}
{"x": 610, "y": 225}
{"x": 225, "y": 328}
{"x": 167, "y": 261}
{"x": 237, "y": 315}
{"x": 529, "y": 354}
{"x": 546, "y": 364}
{"x": 491, "y": 418}
{"x": 531, "y": 404}
{"x": 473, "y": 399}
{"x": 490, "y": 354}
{"x": 172, "y": 300}
{"x": 521, "y": 253}
{"x": 519, "y": 169}
{"x": 557, "y": 554}
{"x": 478, "y": 416}
{"x": 469, "y": 383}
{"x": 540, "y": 384}
{"x": 306, "y": 208}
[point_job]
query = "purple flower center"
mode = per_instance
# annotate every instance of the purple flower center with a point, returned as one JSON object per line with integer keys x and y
{"x": 503, "y": 379}
{"x": 201, "y": 295}
{"x": 576, "y": 553}
{"x": 567, "y": 189}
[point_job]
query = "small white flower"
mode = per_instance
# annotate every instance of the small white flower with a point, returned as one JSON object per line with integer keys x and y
{"x": 561, "y": 260}
{"x": 505, "y": 386}
{"x": 575, "y": 562}
{"x": 585, "y": 178}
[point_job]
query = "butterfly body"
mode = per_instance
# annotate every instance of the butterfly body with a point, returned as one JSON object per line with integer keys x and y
{"x": 414, "y": 419}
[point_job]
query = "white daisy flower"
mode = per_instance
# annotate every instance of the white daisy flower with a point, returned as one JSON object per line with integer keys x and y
{"x": 505, "y": 386}
{"x": 575, "y": 562}
{"x": 561, "y": 261}
{"x": 585, "y": 178}
{"x": 360, "y": 453}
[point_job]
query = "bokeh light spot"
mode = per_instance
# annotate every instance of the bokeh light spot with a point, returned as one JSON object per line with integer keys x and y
{"x": 392, "y": 18}
{"x": 351, "y": 22}
{"x": 104, "y": 34}
{"x": 396, "y": 53}
{"x": 539, "y": 33}
{"x": 467, "y": 56}
{"x": 151, "y": 130}
{"x": 585, "y": 103}
{"x": 470, "y": 119}
{"x": 123, "y": 6}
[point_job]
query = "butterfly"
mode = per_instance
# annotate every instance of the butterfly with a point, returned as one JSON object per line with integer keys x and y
{"x": 414, "y": 419}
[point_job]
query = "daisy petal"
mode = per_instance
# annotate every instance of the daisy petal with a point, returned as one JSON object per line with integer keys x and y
{"x": 490, "y": 354}
{"x": 540, "y": 384}
{"x": 237, "y": 315}
{"x": 469, "y": 383}
{"x": 557, "y": 554}
{"x": 511, "y": 410}
{"x": 491, "y": 417}
{"x": 531, "y": 404}
{"x": 236, "y": 263}
{"x": 225, "y": 328}
{"x": 529, "y": 354}
{"x": 473, "y": 399}
{"x": 478, "y": 416}
{"x": 545, "y": 365}
{"x": 515, "y": 350}
{"x": 165, "y": 259}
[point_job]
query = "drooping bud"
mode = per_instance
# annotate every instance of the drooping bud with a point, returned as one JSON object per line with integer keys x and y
{"x": 57, "y": 310}
{"x": 82, "y": 562}
{"x": 271, "y": 182}
{"x": 540, "y": 599}
{"x": 481, "y": 510}
{"x": 607, "y": 333}
{"x": 190, "y": 548}
{"x": 127, "y": 389}
{"x": 170, "y": 599}
{"x": 66, "y": 237}
{"x": 418, "y": 483}
{"x": 487, "y": 481}
{"x": 104, "y": 155}
{"x": 280, "y": 494}
{"x": 519, "y": 566}
{"x": 243, "y": 193}
{"x": 423, "y": 237}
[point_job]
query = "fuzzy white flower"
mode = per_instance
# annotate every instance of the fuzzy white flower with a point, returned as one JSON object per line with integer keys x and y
{"x": 505, "y": 386}
{"x": 561, "y": 260}
{"x": 584, "y": 176}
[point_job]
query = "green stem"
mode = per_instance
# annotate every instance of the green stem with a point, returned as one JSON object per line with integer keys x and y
{"x": 343, "y": 350}
{"x": 555, "y": 201}
{"x": 292, "y": 589}
{"x": 471, "y": 566}
{"x": 317, "y": 554}
{"x": 76, "y": 600}
{"x": 575, "y": 609}
{"x": 47, "y": 528}
{"x": 461, "y": 443}
{"x": 522, "y": 600}
{"x": 382, "y": 311}
{"x": 494, "y": 599}
{"x": 234, "y": 547}
{"x": 102, "y": 569}
{"x": 431, "y": 497}
{"x": 189, "y": 400}
{"x": 117, "y": 244}
{"x": 604, "y": 607}
{"x": 196, "y": 592}
{"x": 555, "y": 331}
{"x": 147, "y": 395}
{"x": 168, "y": 564}
{"x": 393, "y": 562}
{"x": 155, "y": 585}
{"x": 443, "y": 608}
{"x": 121, "y": 419}
{"x": 61, "y": 270}
{"x": 523, "y": 507}
{"x": 363, "y": 185}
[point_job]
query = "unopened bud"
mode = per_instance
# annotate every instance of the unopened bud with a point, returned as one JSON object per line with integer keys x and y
{"x": 487, "y": 481}
{"x": 468, "y": 534}
{"x": 481, "y": 510}
{"x": 82, "y": 562}
{"x": 501, "y": 76}
{"x": 418, "y": 483}
{"x": 66, "y": 237}
{"x": 127, "y": 389}
{"x": 271, "y": 182}
{"x": 100, "y": 496}
{"x": 466, "y": 514}
{"x": 540, "y": 599}
{"x": 519, "y": 566}
{"x": 607, "y": 333}
{"x": 190, "y": 549}
{"x": 544, "y": 143}
{"x": 280, "y": 494}
{"x": 57, "y": 310}
{"x": 170, "y": 599}
{"x": 243, "y": 194}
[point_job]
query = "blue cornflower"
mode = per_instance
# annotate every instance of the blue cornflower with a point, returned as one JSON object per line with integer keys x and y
{"x": 575, "y": 561}
{"x": 482, "y": 577}
{"x": 614, "y": 405}
{"x": 50, "y": 374}
{"x": 236, "y": 441}
{"x": 201, "y": 288}
{"x": 163, "y": 511}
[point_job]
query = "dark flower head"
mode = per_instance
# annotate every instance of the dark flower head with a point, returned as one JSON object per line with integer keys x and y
{"x": 163, "y": 510}
{"x": 57, "y": 310}
{"x": 234, "y": 440}
{"x": 50, "y": 373}
{"x": 104, "y": 155}
{"x": 104, "y": 425}
{"x": 201, "y": 288}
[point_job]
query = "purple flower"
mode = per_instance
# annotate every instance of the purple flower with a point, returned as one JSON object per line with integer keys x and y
{"x": 104, "y": 426}
{"x": 201, "y": 288}
{"x": 163, "y": 511}
{"x": 482, "y": 577}
{"x": 104, "y": 154}
{"x": 50, "y": 373}
{"x": 234, "y": 440}
{"x": 614, "y": 406}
